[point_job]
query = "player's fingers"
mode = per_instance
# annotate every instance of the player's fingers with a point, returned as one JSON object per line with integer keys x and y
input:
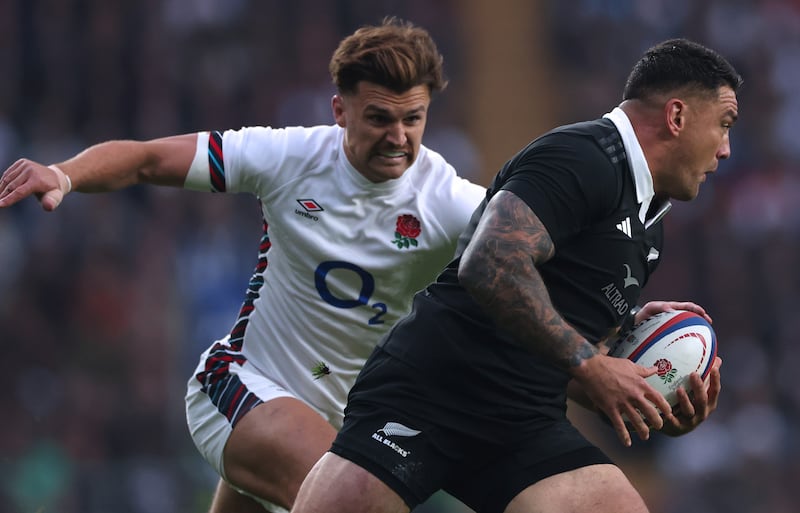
{"x": 699, "y": 310}
{"x": 686, "y": 403}
{"x": 621, "y": 428}
{"x": 714, "y": 387}
{"x": 12, "y": 171}
{"x": 656, "y": 405}
{"x": 691, "y": 307}
{"x": 27, "y": 178}
{"x": 7, "y": 180}
{"x": 637, "y": 422}
{"x": 13, "y": 189}
{"x": 52, "y": 199}
{"x": 646, "y": 372}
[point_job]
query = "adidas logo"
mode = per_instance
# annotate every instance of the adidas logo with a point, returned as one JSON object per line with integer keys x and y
{"x": 625, "y": 227}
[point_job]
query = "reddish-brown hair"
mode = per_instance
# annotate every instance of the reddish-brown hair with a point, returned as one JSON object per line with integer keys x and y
{"x": 396, "y": 55}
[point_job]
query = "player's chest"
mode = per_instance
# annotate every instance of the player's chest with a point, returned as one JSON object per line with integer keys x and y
{"x": 614, "y": 259}
{"x": 329, "y": 223}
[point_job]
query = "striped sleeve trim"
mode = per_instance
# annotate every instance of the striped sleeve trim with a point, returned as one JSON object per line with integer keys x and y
{"x": 216, "y": 162}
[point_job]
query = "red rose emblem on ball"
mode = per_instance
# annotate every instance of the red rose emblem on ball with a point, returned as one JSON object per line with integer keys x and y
{"x": 664, "y": 366}
{"x": 665, "y": 371}
{"x": 406, "y": 231}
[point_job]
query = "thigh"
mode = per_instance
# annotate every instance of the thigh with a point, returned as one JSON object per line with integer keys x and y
{"x": 273, "y": 447}
{"x": 536, "y": 451}
{"x": 337, "y": 485}
{"x": 263, "y": 447}
{"x": 592, "y": 489}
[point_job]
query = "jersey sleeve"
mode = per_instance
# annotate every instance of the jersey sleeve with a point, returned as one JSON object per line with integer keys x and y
{"x": 567, "y": 180}
{"x": 253, "y": 159}
{"x": 463, "y": 197}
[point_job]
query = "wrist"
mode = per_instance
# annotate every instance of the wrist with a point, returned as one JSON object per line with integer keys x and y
{"x": 64, "y": 181}
{"x": 578, "y": 365}
{"x": 630, "y": 320}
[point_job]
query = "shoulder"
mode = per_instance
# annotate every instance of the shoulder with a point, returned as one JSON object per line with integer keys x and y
{"x": 439, "y": 176}
{"x": 267, "y": 147}
{"x": 442, "y": 193}
{"x": 588, "y": 140}
{"x": 570, "y": 175}
{"x": 587, "y": 154}
{"x": 293, "y": 137}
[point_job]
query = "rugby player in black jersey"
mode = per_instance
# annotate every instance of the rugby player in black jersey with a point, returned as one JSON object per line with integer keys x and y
{"x": 468, "y": 392}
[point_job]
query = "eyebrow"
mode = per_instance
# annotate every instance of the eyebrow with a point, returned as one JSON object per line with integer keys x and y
{"x": 383, "y": 110}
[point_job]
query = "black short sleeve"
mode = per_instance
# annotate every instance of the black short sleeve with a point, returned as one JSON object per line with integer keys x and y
{"x": 567, "y": 180}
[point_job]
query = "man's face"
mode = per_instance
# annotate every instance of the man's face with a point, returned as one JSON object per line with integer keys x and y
{"x": 702, "y": 143}
{"x": 383, "y": 129}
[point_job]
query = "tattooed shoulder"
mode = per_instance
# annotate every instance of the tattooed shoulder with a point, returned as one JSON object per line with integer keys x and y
{"x": 511, "y": 220}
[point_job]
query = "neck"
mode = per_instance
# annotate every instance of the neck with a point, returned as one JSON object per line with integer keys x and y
{"x": 646, "y": 120}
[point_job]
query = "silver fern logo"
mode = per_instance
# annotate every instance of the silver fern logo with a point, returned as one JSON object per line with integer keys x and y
{"x": 394, "y": 429}
{"x": 397, "y": 429}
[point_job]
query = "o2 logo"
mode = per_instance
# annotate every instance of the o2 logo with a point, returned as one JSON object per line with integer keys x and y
{"x": 367, "y": 288}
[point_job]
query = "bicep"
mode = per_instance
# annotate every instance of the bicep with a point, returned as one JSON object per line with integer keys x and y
{"x": 501, "y": 258}
{"x": 169, "y": 159}
{"x": 508, "y": 231}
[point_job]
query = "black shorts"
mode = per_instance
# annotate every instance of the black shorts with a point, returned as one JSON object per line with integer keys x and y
{"x": 417, "y": 441}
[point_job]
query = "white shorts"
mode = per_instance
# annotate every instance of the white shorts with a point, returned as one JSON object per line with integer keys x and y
{"x": 208, "y": 426}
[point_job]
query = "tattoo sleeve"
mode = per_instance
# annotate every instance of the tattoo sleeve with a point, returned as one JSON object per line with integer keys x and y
{"x": 499, "y": 269}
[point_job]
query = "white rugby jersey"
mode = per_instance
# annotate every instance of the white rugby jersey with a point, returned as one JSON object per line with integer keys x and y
{"x": 340, "y": 259}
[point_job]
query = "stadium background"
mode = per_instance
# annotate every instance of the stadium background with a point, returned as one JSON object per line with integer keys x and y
{"x": 105, "y": 305}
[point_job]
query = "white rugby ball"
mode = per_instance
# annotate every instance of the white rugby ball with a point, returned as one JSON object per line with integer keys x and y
{"x": 677, "y": 342}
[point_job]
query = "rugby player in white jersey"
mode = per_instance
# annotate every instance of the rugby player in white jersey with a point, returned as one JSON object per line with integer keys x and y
{"x": 357, "y": 217}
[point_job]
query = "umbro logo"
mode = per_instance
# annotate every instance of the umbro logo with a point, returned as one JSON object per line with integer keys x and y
{"x": 309, "y": 205}
{"x": 625, "y": 227}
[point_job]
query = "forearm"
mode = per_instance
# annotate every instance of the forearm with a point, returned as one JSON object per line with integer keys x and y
{"x": 114, "y": 165}
{"x": 498, "y": 269}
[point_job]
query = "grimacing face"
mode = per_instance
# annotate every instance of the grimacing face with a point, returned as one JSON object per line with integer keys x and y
{"x": 383, "y": 129}
{"x": 704, "y": 141}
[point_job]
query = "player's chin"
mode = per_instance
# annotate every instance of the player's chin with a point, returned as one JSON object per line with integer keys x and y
{"x": 391, "y": 168}
{"x": 687, "y": 194}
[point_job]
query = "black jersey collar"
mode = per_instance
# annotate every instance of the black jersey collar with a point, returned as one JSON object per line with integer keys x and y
{"x": 639, "y": 168}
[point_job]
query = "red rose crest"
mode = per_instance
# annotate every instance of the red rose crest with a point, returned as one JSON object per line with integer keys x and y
{"x": 665, "y": 370}
{"x": 407, "y": 231}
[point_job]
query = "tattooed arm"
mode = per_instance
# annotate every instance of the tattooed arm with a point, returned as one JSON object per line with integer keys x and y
{"x": 499, "y": 269}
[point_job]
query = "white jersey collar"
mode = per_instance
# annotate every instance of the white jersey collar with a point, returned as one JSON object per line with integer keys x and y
{"x": 642, "y": 178}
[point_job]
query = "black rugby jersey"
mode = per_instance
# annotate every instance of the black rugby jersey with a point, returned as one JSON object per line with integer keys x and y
{"x": 579, "y": 182}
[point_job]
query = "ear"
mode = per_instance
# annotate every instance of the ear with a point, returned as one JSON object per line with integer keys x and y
{"x": 675, "y": 114}
{"x": 337, "y": 106}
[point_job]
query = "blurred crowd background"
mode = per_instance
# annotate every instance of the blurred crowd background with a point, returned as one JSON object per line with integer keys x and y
{"x": 106, "y": 304}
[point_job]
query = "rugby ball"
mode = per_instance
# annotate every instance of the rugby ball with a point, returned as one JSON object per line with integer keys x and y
{"x": 677, "y": 342}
